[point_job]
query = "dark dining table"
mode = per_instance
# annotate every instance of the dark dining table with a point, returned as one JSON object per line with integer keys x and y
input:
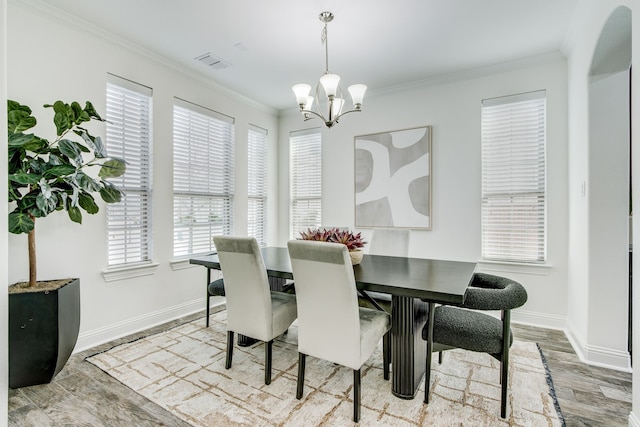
{"x": 415, "y": 286}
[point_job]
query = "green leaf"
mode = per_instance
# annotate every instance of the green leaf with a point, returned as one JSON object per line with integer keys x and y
{"x": 100, "y": 149}
{"x": 76, "y": 109}
{"x": 59, "y": 171}
{"x": 63, "y": 118}
{"x": 24, "y": 178}
{"x": 94, "y": 142}
{"x": 75, "y": 214}
{"x": 110, "y": 194}
{"x": 87, "y": 183}
{"x": 19, "y": 222}
{"x": 71, "y": 149}
{"x": 62, "y": 123}
{"x": 46, "y": 205}
{"x": 112, "y": 169}
{"x": 19, "y": 120}
{"x": 28, "y": 142}
{"x": 88, "y": 108}
{"x": 87, "y": 203}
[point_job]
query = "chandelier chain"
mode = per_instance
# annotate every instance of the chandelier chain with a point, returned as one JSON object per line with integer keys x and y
{"x": 325, "y": 42}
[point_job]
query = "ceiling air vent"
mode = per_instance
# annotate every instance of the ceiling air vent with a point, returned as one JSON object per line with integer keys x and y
{"x": 212, "y": 61}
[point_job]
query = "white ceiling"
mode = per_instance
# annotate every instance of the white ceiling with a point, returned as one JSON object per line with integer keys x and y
{"x": 274, "y": 44}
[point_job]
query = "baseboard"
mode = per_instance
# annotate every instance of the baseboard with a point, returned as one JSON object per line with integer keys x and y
{"x": 99, "y": 336}
{"x": 542, "y": 320}
{"x": 633, "y": 420}
{"x": 599, "y": 356}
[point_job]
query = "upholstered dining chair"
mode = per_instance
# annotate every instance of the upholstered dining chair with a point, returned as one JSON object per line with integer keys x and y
{"x": 253, "y": 309}
{"x": 386, "y": 242}
{"x": 470, "y": 329}
{"x": 331, "y": 326}
{"x": 389, "y": 242}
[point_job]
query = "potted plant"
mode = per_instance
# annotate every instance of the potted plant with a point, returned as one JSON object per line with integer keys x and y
{"x": 353, "y": 242}
{"x": 46, "y": 176}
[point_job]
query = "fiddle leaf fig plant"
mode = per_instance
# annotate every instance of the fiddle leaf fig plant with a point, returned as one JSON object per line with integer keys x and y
{"x": 48, "y": 175}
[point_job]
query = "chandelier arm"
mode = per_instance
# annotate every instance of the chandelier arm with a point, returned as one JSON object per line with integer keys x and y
{"x": 320, "y": 116}
{"x": 355, "y": 110}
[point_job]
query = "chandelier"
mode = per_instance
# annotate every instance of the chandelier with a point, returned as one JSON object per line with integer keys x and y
{"x": 332, "y": 109}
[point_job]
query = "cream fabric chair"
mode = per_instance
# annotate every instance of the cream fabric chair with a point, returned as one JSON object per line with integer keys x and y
{"x": 389, "y": 242}
{"x": 253, "y": 309}
{"x": 386, "y": 242}
{"x": 331, "y": 326}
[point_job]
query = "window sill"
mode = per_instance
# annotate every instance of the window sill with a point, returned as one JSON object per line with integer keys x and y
{"x": 129, "y": 272}
{"x": 181, "y": 264}
{"x": 514, "y": 267}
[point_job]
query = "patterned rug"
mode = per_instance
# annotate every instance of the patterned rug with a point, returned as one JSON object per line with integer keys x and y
{"x": 182, "y": 370}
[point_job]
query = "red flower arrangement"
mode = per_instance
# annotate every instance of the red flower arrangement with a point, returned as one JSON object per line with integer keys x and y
{"x": 352, "y": 241}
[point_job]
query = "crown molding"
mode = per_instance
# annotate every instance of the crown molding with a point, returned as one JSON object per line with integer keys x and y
{"x": 49, "y": 11}
{"x": 472, "y": 73}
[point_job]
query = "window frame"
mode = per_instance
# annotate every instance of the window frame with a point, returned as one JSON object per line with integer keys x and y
{"x": 305, "y": 167}
{"x": 514, "y": 183}
{"x": 203, "y": 178}
{"x": 257, "y": 173}
{"x": 129, "y": 135}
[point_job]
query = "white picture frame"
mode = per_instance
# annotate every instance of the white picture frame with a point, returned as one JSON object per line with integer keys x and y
{"x": 392, "y": 175}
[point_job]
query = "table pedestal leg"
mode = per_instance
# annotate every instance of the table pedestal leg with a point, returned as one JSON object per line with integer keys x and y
{"x": 408, "y": 350}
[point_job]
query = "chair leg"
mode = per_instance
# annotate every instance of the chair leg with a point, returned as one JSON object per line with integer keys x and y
{"x": 208, "y": 296}
{"x": 504, "y": 360}
{"x": 427, "y": 376}
{"x": 439, "y": 358}
{"x": 386, "y": 354}
{"x": 268, "y": 351}
{"x": 504, "y": 365}
{"x": 227, "y": 364}
{"x": 301, "y": 362}
{"x": 356, "y": 395}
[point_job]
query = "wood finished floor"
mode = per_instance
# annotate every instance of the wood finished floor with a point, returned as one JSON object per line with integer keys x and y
{"x": 83, "y": 395}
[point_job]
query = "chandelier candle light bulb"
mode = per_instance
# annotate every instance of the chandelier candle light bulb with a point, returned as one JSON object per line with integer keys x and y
{"x": 330, "y": 83}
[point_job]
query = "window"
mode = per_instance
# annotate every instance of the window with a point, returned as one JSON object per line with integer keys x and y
{"x": 513, "y": 178}
{"x": 128, "y": 134}
{"x": 305, "y": 159}
{"x": 202, "y": 178}
{"x": 257, "y": 184}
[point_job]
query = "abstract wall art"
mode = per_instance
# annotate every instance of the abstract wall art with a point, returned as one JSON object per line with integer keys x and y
{"x": 393, "y": 179}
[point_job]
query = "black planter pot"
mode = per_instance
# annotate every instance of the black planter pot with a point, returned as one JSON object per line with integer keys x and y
{"x": 43, "y": 330}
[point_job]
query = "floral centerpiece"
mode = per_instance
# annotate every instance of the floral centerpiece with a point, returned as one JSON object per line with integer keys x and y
{"x": 353, "y": 242}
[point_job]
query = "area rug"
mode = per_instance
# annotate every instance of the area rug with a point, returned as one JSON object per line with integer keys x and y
{"x": 182, "y": 370}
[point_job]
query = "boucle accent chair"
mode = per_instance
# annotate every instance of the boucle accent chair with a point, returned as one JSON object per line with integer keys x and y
{"x": 253, "y": 309}
{"x": 331, "y": 326}
{"x": 469, "y": 329}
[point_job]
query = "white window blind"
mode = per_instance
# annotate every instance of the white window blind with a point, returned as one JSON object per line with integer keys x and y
{"x": 305, "y": 156}
{"x": 257, "y": 184}
{"x": 203, "y": 147}
{"x": 128, "y": 135}
{"x": 513, "y": 178}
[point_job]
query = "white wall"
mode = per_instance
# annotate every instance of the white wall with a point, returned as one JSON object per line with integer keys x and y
{"x": 584, "y": 293}
{"x": 597, "y": 298}
{"x": 49, "y": 58}
{"x": 609, "y": 214}
{"x": 4, "y": 382}
{"x": 453, "y": 109}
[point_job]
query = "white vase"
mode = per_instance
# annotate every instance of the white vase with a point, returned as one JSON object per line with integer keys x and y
{"x": 356, "y": 256}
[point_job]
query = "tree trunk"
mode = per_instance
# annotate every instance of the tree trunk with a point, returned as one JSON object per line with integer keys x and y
{"x": 31, "y": 239}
